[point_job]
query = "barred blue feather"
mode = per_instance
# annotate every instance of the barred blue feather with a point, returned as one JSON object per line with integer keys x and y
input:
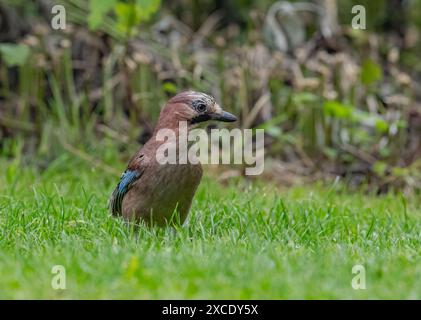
{"x": 126, "y": 180}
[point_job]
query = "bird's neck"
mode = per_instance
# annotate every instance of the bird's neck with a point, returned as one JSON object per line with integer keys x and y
{"x": 175, "y": 123}
{"x": 173, "y": 116}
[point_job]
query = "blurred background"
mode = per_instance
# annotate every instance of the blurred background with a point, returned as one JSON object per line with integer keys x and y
{"x": 335, "y": 101}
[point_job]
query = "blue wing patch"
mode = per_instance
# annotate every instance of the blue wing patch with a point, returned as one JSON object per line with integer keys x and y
{"x": 126, "y": 180}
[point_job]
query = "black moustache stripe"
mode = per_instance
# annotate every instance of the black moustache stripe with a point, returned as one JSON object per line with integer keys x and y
{"x": 200, "y": 118}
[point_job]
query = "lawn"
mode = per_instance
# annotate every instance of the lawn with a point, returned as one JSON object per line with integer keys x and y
{"x": 245, "y": 240}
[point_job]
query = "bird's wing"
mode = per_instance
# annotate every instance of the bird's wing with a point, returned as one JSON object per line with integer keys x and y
{"x": 126, "y": 180}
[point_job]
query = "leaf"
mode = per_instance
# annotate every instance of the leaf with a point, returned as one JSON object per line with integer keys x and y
{"x": 381, "y": 125}
{"x": 331, "y": 153}
{"x": 128, "y": 15}
{"x": 97, "y": 10}
{"x": 169, "y": 87}
{"x": 274, "y": 131}
{"x": 370, "y": 72}
{"x": 14, "y": 54}
{"x": 131, "y": 14}
{"x": 401, "y": 124}
{"x": 380, "y": 167}
{"x": 147, "y": 8}
{"x": 304, "y": 97}
{"x": 400, "y": 172}
{"x": 337, "y": 109}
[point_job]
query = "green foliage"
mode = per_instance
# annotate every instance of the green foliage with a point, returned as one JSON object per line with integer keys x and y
{"x": 97, "y": 10}
{"x": 381, "y": 125}
{"x": 311, "y": 236}
{"x": 371, "y": 72}
{"x": 169, "y": 87}
{"x": 380, "y": 168}
{"x": 301, "y": 98}
{"x": 337, "y": 109}
{"x": 128, "y": 14}
{"x": 283, "y": 244}
{"x": 348, "y": 112}
{"x": 14, "y": 54}
{"x": 316, "y": 116}
{"x": 147, "y": 8}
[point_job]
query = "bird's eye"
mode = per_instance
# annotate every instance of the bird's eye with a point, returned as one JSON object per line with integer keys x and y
{"x": 200, "y": 107}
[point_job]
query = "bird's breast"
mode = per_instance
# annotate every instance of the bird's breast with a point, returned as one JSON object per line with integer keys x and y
{"x": 175, "y": 179}
{"x": 164, "y": 188}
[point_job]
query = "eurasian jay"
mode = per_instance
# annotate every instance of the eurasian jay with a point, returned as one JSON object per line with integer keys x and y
{"x": 158, "y": 193}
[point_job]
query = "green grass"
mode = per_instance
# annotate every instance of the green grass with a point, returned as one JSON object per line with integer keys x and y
{"x": 245, "y": 240}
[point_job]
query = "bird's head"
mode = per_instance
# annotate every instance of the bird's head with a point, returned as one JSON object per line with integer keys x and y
{"x": 195, "y": 107}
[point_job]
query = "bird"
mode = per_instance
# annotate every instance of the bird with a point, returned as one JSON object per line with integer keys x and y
{"x": 161, "y": 194}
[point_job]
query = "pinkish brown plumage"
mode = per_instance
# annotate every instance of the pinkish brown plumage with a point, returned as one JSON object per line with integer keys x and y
{"x": 151, "y": 191}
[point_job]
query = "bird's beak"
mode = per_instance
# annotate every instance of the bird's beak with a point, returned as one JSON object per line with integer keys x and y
{"x": 221, "y": 115}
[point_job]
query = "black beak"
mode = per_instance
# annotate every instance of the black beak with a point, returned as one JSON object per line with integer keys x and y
{"x": 224, "y": 117}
